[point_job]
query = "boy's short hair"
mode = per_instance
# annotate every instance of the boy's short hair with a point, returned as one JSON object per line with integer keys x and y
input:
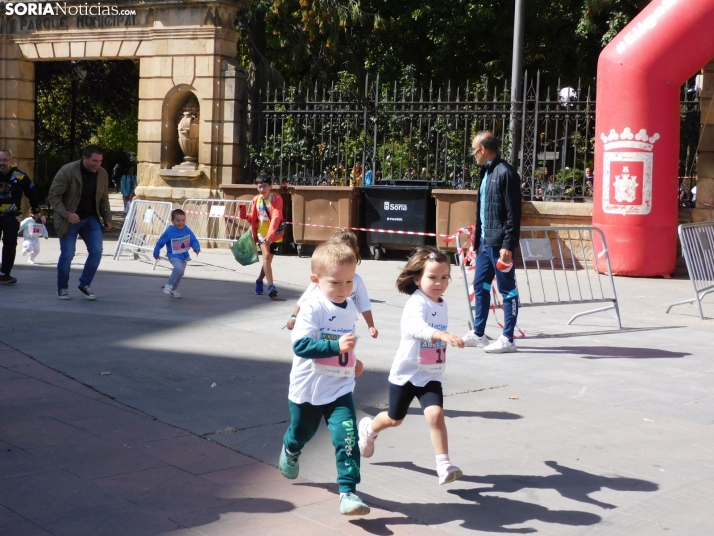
{"x": 329, "y": 254}
{"x": 350, "y": 239}
{"x": 262, "y": 178}
{"x": 177, "y": 212}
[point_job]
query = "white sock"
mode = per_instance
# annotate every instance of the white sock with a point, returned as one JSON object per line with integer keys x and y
{"x": 442, "y": 460}
{"x": 371, "y": 434}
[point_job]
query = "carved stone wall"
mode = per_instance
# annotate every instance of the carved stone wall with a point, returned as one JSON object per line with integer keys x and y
{"x": 185, "y": 46}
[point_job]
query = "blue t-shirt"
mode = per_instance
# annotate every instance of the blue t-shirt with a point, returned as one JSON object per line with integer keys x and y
{"x": 482, "y": 205}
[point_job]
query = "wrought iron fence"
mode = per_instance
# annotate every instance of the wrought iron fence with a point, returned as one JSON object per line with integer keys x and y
{"x": 341, "y": 136}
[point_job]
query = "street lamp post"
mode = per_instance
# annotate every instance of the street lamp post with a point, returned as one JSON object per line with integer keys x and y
{"x": 517, "y": 78}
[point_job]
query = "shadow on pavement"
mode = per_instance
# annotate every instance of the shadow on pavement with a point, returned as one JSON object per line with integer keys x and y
{"x": 452, "y": 413}
{"x": 569, "y": 483}
{"x": 613, "y": 331}
{"x": 497, "y": 514}
{"x": 607, "y": 352}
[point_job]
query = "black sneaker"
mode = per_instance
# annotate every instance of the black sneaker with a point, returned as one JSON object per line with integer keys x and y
{"x": 272, "y": 291}
{"x": 87, "y": 292}
{"x": 62, "y": 294}
{"x": 7, "y": 280}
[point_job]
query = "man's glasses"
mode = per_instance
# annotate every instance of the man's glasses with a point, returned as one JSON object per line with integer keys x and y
{"x": 263, "y": 186}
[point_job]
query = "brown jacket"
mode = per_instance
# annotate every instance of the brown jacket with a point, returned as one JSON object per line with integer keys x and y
{"x": 66, "y": 191}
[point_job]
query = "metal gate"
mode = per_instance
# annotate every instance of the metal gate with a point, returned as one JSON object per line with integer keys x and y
{"x": 697, "y": 240}
{"x": 561, "y": 265}
{"x": 144, "y": 224}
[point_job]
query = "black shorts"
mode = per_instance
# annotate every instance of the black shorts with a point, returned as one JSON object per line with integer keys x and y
{"x": 401, "y": 396}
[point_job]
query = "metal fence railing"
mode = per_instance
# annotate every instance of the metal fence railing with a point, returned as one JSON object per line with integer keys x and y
{"x": 144, "y": 224}
{"x": 697, "y": 241}
{"x": 332, "y": 135}
{"x": 216, "y": 220}
{"x": 561, "y": 266}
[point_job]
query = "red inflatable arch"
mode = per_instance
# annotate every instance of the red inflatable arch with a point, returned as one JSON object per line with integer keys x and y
{"x": 637, "y": 131}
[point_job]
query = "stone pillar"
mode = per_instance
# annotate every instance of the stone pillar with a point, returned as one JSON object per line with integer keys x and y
{"x": 17, "y": 106}
{"x": 704, "y": 210}
{"x": 172, "y": 75}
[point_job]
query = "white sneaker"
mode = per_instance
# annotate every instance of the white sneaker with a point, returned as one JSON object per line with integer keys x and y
{"x": 473, "y": 340}
{"x": 366, "y": 444}
{"x": 501, "y": 346}
{"x": 30, "y": 261}
{"x": 448, "y": 473}
{"x": 169, "y": 291}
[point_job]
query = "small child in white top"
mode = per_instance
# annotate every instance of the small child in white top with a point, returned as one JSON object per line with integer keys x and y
{"x": 32, "y": 230}
{"x": 323, "y": 373}
{"x": 418, "y": 367}
{"x": 359, "y": 294}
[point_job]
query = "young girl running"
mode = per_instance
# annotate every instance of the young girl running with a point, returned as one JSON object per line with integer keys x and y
{"x": 418, "y": 367}
{"x": 359, "y": 295}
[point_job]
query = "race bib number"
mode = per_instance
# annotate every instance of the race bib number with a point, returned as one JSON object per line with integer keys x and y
{"x": 180, "y": 245}
{"x": 432, "y": 357}
{"x": 35, "y": 229}
{"x": 341, "y": 366}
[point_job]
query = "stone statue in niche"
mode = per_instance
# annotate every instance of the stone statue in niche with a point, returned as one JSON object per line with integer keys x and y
{"x": 188, "y": 137}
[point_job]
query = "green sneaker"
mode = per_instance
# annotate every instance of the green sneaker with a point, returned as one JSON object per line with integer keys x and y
{"x": 352, "y": 505}
{"x": 289, "y": 464}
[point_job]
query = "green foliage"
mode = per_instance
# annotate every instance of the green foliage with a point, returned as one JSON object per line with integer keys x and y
{"x": 99, "y": 97}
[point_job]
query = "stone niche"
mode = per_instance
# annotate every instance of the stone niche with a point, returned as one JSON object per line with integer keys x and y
{"x": 180, "y": 140}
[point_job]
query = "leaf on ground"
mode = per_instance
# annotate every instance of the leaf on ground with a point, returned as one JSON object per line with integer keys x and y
{"x": 107, "y": 373}
{"x": 512, "y": 398}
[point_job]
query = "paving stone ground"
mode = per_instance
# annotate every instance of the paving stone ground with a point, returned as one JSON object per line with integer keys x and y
{"x": 586, "y": 430}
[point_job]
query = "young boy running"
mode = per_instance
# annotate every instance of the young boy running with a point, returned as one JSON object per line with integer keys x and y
{"x": 178, "y": 238}
{"x": 324, "y": 369}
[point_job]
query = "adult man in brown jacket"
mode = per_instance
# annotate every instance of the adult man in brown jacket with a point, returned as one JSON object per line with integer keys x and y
{"x": 79, "y": 196}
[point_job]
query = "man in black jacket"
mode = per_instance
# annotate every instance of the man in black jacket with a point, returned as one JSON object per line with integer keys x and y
{"x": 498, "y": 225}
{"x": 13, "y": 183}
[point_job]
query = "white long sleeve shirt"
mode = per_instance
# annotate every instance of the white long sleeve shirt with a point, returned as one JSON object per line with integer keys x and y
{"x": 420, "y": 360}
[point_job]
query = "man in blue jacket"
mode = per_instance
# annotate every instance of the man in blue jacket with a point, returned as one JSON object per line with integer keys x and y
{"x": 498, "y": 226}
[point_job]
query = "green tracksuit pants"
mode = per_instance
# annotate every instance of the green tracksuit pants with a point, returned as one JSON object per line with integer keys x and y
{"x": 341, "y": 419}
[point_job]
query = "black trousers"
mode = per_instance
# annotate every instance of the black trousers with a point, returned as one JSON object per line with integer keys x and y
{"x": 9, "y": 227}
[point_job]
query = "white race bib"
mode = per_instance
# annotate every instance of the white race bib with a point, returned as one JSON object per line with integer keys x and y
{"x": 180, "y": 245}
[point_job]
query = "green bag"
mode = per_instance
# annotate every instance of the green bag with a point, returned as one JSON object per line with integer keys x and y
{"x": 244, "y": 249}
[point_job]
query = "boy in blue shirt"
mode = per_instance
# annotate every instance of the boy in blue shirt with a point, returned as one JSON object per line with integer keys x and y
{"x": 178, "y": 239}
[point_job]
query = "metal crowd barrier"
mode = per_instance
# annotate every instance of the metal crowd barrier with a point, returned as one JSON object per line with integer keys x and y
{"x": 697, "y": 240}
{"x": 216, "y": 220}
{"x": 561, "y": 265}
{"x": 145, "y": 222}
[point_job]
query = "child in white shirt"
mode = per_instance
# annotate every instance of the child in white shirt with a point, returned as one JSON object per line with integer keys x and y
{"x": 359, "y": 294}
{"x": 32, "y": 230}
{"x": 418, "y": 367}
{"x": 323, "y": 373}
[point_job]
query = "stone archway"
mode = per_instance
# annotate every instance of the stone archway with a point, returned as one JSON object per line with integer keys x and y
{"x": 188, "y": 45}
